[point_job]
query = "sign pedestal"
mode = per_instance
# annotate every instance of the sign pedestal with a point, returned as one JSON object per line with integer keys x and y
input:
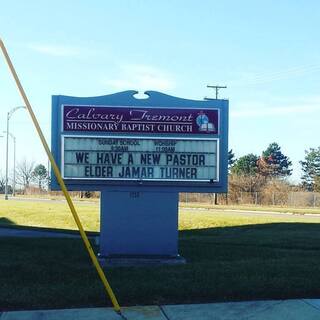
{"x": 139, "y": 227}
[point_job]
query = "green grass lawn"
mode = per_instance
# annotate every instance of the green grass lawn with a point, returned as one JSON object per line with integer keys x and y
{"x": 51, "y": 214}
{"x": 230, "y": 257}
{"x": 56, "y": 214}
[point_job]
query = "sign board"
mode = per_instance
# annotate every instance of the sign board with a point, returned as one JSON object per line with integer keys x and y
{"x": 140, "y": 158}
{"x": 119, "y": 141}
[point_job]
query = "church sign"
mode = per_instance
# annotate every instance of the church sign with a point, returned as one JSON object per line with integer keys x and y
{"x": 139, "y": 154}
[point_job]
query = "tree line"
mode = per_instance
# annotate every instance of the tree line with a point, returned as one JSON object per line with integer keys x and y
{"x": 247, "y": 173}
{"x": 28, "y": 173}
{"x": 273, "y": 164}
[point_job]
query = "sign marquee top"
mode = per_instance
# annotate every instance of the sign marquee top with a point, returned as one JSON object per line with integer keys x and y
{"x": 114, "y": 119}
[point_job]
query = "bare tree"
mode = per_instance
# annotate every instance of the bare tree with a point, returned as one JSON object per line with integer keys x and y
{"x": 25, "y": 172}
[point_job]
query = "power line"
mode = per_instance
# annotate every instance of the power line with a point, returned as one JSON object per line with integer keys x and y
{"x": 217, "y": 90}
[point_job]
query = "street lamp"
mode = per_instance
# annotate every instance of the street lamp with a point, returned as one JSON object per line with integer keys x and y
{"x": 9, "y": 114}
{"x": 14, "y": 163}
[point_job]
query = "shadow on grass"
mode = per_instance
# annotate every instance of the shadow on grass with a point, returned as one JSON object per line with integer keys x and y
{"x": 278, "y": 235}
{"x": 265, "y": 261}
{"x": 7, "y": 223}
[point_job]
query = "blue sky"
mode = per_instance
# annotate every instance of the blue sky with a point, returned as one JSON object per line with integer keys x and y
{"x": 266, "y": 52}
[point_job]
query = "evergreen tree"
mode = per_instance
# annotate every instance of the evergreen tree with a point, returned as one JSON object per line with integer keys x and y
{"x": 311, "y": 169}
{"x": 245, "y": 165}
{"x": 40, "y": 174}
{"x": 274, "y": 163}
{"x": 231, "y": 159}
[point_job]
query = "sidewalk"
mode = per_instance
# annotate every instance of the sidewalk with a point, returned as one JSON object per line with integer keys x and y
{"x": 256, "y": 310}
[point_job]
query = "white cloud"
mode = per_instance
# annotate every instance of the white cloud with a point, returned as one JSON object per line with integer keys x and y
{"x": 309, "y": 105}
{"x": 141, "y": 77}
{"x": 261, "y": 78}
{"x": 55, "y": 50}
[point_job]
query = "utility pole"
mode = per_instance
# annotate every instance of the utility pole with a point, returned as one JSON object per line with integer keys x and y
{"x": 9, "y": 114}
{"x": 217, "y": 90}
{"x": 7, "y": 157}
{"x": 14, "y": 162}
{"x": 206, "y": 98}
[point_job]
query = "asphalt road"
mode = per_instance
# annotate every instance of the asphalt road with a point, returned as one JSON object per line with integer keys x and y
{"x": 51, "y": 200}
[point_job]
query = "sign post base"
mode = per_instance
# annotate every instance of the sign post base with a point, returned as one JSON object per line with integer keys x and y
{"x": 139, "y": 226}
{"x": 140, "y": 261}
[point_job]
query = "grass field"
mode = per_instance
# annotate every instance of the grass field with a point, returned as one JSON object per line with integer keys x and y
{"x": 55, "y": 214}
{"x": 52, "y": 214}
{"x": 230, "y": 257}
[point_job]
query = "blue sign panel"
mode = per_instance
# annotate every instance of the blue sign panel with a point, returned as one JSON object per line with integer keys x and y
{"x": 118, "y": 142}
